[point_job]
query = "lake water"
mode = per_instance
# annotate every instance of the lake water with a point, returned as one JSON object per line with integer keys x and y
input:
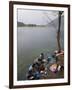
{"x": 31, "y": 41}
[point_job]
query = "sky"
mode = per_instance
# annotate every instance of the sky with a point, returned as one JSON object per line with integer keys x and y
{"x": 39, "y": 17}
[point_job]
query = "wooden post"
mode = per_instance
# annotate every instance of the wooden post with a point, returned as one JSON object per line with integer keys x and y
{"x": 58, "y": 32}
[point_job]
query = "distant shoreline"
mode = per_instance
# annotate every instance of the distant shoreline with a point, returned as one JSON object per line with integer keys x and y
{"x": 33, "y": 26}
{"x": 20, "y": 24}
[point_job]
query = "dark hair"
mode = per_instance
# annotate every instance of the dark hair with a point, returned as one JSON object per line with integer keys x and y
{"x": 42, "y": 54}
{"x": 33, "y": 65}
{"x": 39, "y": 59}
{"x": 53, "y": 55}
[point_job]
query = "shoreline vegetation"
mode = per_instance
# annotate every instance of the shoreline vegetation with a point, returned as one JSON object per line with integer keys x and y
{"x": 21, "y": 24}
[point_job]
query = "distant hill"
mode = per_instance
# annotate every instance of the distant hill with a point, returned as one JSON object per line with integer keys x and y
{"x": 19, "y": 24}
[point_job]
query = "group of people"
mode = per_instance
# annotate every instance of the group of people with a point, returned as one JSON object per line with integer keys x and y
{"x": 39, "y": 68}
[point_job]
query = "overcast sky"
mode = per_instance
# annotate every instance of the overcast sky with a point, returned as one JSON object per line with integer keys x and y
{"x": 36, "y": 16}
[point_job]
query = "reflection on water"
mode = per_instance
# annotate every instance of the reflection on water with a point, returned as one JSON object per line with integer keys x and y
{"x": 31, "y": 41}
